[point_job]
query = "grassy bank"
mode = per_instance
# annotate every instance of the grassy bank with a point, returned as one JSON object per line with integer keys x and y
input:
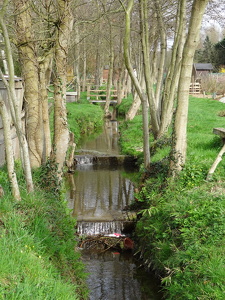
{"x": 37, "y": 235}
{"x": 84, "y": 118}
{"x": 182, "y": 230}
{"x": 37, "y": 244}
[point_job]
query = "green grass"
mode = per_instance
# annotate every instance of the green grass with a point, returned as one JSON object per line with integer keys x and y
{"x": 37, "y": 234}
{"x": 37, "y": 244}
{"x": 181, "y": 233}
{"x": 203, "y": 117}
{"x": 125, "y": 105}
{"x": 131, "y": 138}
{"x": 84, "y": 119}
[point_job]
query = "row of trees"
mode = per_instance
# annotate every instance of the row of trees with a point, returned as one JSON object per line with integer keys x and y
{"x": 162, "y": 94}
{"x": 141, "y": 31}
{"x": 41, "y": 36}
{"x": 48, "y": 36}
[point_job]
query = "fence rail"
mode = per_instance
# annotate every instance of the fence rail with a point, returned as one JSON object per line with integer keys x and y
{"x": 195, "y": 88}
{"x": 95, "y": 96}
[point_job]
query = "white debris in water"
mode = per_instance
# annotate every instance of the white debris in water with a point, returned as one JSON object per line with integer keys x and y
{"x": 114, "y": 235}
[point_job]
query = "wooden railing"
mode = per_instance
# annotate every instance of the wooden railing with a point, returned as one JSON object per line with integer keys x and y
{"x": 195, "y": 88}
{"x": 98, "y": 95}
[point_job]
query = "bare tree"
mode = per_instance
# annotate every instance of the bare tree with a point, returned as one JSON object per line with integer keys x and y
{"x": 136, "y": 83}
{"x": 180, "y": 126}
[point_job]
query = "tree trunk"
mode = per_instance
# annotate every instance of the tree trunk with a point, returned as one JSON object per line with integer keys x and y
{"x": 61, "y": 132}
{"x": 84, "y": 83}
{"x": 147, "y": 70}
{"x": 163, "y": 51}
{"x": 77, "y": 60}
{"x": 9, "y": 150}
{"x": 171, "y": 83}
{"x": 15, "y": 109}
{"x": 110, "y": 75}
{"x": 44, "y": 77}
{"x": 136, "y": 101}
{"x": 4, "y": 57}
{"x": 137, "y": 85}
{"x": 98, "y": 66}
{"x": 29, "y": 64}
{"x": 180, "y": 126}
{"x": 127, "y": 84}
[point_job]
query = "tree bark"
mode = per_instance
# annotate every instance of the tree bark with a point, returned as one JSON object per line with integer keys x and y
{"x": 15, "y": 108}
{"x": 45, "y": 66}
{"x": 142, "y": 95}
{"x": 172, "y": 78}
{"x": 110, "y": 74}
{"x": 29, "y": 63}
{"x": 9, "y": 150}
{"x": 147, "y": 69}
{"x": 77, "y": 60}
{"x": 84, "y": 77}
{"x": 61, "y": 132}
{"x": 161, "y": 67}
{"x": 180, "y": 126}
{"x": 136, "y": 101}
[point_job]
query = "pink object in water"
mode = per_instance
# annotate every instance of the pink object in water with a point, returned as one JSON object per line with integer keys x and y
{"x": 117, "y": 234}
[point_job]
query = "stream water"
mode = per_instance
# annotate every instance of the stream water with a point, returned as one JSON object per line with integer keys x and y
{"x": 97, "y": 195}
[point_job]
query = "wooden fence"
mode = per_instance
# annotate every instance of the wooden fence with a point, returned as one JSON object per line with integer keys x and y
{"x": 99, "y": 96}
{"x": 195, "y": 88}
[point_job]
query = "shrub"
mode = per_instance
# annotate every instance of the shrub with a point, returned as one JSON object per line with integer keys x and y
{"x": 213, "y": 83}
{"x": 183, "y": 236}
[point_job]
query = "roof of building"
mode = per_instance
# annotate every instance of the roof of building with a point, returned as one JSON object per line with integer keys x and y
{"x": 203, "y": 66}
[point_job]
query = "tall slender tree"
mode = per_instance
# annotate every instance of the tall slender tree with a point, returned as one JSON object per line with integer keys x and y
{"x": 61, "y": 131}
{"x": 180, "y": 126}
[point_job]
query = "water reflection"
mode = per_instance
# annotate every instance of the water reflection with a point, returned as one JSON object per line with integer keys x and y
{"x": 115, "y": 276}
{"x": 97, "y": 196}
{"x": 97, "y": 199}
{"x": 107, "y": 141}
{"x": 101, "y": 195}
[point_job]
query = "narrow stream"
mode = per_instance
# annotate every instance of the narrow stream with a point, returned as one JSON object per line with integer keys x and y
{"x": 98, "y": 196}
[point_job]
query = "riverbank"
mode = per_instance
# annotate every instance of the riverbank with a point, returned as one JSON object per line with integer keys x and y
{"x": 37, "y": 244}
{"x": 37, "y": 235}
{"x": 181, "y": 232}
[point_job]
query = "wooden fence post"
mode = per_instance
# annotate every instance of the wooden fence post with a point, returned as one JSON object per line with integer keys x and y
{"x": 88, "y": 92}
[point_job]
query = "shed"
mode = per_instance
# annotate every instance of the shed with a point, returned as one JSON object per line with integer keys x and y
{"x": 200, "y": 69}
